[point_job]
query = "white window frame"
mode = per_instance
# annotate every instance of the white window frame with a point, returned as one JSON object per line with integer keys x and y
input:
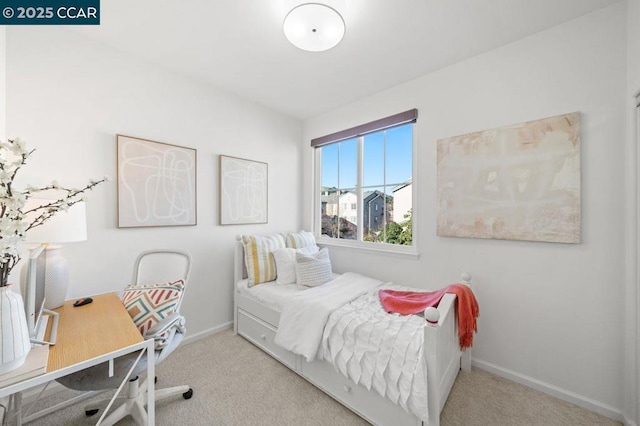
{"x": 404, "y": 250}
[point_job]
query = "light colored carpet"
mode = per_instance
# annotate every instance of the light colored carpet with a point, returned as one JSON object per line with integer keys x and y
{"x": 235, "y": 383}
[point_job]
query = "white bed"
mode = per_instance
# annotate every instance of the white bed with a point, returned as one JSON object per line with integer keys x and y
{"x": 257, "y": 313}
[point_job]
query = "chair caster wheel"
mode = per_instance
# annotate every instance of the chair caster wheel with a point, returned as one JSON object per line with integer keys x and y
{"x": 90, "y": 413}
{"x": 188, "y": 394}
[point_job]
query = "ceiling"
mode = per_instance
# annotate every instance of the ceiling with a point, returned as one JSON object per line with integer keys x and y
{"x": 239, "y": 45}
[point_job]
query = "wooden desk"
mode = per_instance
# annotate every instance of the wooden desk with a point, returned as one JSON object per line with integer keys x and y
{"x": 90, "y": 335}
{"x": 89, "y": 331}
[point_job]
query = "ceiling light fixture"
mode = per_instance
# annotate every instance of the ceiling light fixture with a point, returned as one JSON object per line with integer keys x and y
{"x": 314, "y": 27}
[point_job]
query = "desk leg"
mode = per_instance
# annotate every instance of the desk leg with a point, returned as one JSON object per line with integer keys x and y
{"x": 15, "y": 408}
{"x": 151, "y": 383}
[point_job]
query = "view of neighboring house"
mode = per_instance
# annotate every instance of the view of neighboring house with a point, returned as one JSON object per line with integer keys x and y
{"x": 329, "y": 200}
{"x": 374, "y": 211}
{"x": 348, "y": 208}
{"x": 402, "y": 201}
{"x": 340, "y": 212}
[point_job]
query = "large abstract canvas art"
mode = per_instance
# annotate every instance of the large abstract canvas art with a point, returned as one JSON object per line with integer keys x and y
{"x": 519, "y": 182}
{"x": 243, "y": 191}
{"x": 156, "y": 183}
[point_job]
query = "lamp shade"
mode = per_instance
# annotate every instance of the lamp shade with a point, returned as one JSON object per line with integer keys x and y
{"x": 314, "y": 27}
{"x": 64, "y": 227}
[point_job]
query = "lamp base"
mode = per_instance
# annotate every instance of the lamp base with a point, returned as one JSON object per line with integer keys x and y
{"x": 56, "y": 278}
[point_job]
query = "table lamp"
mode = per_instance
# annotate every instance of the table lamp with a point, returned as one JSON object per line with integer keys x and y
{"x": 64, "y": 227}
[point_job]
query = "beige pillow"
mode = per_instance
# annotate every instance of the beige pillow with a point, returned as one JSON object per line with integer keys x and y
{"x": 298, "y": 240}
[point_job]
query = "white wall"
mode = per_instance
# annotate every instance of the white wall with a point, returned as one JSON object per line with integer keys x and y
{"x": 551, "y": 315}
{"x": 69, "y": 96}
{"x": 632, "y": 336}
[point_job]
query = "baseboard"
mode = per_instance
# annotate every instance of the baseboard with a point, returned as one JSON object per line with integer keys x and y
{"x": 190, "y": 338}
{"x": 563, "y": 394}
{"x": 627, "y": 422}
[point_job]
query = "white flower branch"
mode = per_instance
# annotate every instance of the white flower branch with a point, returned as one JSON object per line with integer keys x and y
{"x": 15, "y": 220}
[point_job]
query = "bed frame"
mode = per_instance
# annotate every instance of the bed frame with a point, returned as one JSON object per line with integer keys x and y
{"x": 442, "y": 355}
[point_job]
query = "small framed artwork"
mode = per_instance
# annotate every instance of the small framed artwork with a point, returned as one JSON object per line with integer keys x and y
{"x": 156, "y": 183}
{"x": 243, "y": 191}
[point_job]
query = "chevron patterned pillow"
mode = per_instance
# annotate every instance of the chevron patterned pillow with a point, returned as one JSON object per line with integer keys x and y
{"x": 149, "y": 304}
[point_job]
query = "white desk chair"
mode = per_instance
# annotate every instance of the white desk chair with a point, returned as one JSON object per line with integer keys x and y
{"x": 151, "y": 267}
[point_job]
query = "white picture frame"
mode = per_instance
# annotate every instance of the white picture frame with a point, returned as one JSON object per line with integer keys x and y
{"x": 156, "y": 183}
{"x": 243, "y": 191}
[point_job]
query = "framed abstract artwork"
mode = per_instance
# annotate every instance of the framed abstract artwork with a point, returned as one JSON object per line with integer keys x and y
{"x": 243, "y": 191}
{"x": 156, "y": 183}
{"x": 518, "y": 182}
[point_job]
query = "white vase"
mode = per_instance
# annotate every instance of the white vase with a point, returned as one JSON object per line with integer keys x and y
{"x": 14, "y": 332}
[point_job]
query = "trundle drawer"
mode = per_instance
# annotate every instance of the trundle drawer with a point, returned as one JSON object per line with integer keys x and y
{"x": 380, "y": 410}
{"x": 262, "y": 335}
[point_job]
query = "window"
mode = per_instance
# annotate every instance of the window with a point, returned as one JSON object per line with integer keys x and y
{"x": 370, "y": 167}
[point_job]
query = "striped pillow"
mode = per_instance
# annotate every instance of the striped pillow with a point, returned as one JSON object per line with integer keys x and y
{"x": 298, "y": 240}
{"x": 149, "y": 304}
{"x": 313, "y": 270}
{"x": 258, "y": 259}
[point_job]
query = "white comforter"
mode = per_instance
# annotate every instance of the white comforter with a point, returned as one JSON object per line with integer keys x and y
{"x": 304, "y": 316}
{"x": 344, "y": 323}
{"x": 379, "y": 350}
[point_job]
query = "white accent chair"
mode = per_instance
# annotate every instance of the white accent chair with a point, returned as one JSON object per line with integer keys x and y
{"x": 151, "y": 267}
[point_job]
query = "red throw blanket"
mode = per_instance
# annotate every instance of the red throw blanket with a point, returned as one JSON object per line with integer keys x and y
{"x": 413, "y": 302}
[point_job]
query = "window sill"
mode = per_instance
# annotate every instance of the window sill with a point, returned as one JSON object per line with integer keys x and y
{"x": 387, "y": 249}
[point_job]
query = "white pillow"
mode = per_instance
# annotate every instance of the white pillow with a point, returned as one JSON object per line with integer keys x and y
{"x": 313, "y": 270}
{"x": 286, "y": 263}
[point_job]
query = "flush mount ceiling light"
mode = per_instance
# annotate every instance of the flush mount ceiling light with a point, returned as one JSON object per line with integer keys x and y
{"x": 314, "y": 27}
